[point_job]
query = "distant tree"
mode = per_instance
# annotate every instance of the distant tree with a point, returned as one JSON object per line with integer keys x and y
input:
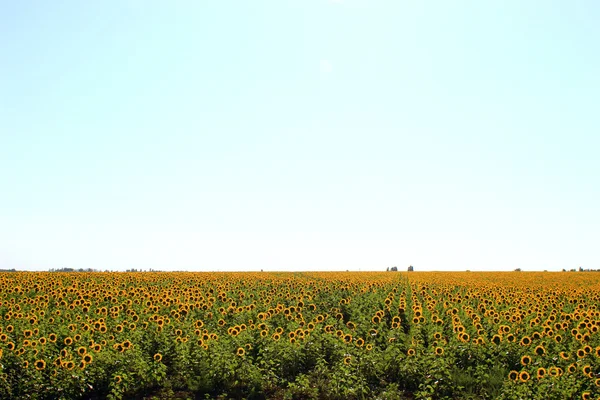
{"x": 517, "y": 269}
{"x": 411, "y": 268}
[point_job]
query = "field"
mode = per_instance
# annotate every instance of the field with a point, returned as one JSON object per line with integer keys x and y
{"x": 387, "y": 335}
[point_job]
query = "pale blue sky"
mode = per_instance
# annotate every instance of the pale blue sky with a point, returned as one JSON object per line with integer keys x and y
{"x": 298, "y": 134}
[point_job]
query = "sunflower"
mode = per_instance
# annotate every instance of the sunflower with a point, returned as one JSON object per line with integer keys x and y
{"x": 347, "y": 360}
{"x": 525, "y": 341}
{"x": 87, "y": 358}
{"x": 240, "y": 352}
{"x": 439, "y": 351}
{"x": 513, "y": 375}
{"x": 525, "y": 360}
{"x": 524, "y": 376}
{"x": 541, "y": 372}
{"x": 558, "y": 338}
{"x": 118, "y": 379}
{"x": 572, "y": 368}
{"x": 40, "y": 365}
{"x": 158, "y": 357}
{"x": 369, "y": 347}
{"x": 540, "y": 351}
{"x": 411, "y": 352}
{"x": 581, "y": 353}
{"x": 564, "y": 355}
{"x": 554, "y": 371}
{"x": 587, "y": 370}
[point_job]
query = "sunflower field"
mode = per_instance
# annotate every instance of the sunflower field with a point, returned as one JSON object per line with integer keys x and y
{"x": 327, "y": 335}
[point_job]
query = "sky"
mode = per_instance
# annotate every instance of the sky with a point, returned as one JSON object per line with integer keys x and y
{"x": 300, "y": 135}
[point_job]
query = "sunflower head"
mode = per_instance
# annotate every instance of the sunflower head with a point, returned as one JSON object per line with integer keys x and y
{"x": 540, "y": 351}
{"x": 40, "y": 365}
{"x": 541, "y": 372}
